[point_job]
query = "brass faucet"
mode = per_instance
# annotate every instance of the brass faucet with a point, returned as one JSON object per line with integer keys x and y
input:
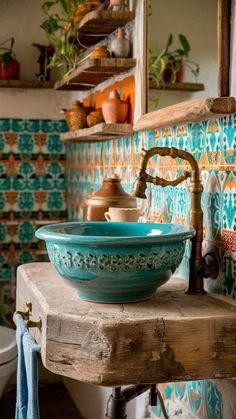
{"x": 198, "y": 269}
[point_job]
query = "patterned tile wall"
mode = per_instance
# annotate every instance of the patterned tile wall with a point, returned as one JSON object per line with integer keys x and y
{"x": 213, "y": 144}
{"x": 193, "y": 399}
{"x": 32, "y": 191}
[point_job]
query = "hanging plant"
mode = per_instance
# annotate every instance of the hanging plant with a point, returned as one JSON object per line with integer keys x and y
{"x": 62, "y": 16}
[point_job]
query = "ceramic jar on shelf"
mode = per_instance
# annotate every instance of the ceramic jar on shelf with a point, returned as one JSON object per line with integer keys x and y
{"x": 100, "y": 51}
{"x": 120, "y": 45}
{"x": 111, "y": 194}
{"x": 117, "y": 5}
{"x": 114, "y": 109}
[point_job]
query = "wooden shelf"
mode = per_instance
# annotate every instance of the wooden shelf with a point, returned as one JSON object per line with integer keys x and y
{"x": 171, "y": 337}
{"x": 93, "y": 71}
{"x": 96, "y": 25}
{"x": 181, "y": 87}
{"x": 99, "y": 132}
{"x": 194, "y": 110}
{"x": 27, "y": 84}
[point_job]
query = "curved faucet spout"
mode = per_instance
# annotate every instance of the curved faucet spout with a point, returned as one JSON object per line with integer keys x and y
{"x": 196, "y": 273}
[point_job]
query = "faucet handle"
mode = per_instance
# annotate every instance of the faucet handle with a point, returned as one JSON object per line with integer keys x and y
{"x": 209, "y": 267}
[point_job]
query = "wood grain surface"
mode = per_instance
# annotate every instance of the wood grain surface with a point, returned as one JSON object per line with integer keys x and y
{"x": 171, "y": 337}
{"x": 194, "y": 110}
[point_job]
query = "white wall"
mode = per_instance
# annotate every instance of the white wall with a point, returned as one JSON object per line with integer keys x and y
{"x": 21, "y": 19}
{"x": 197, "y": 21}
{"x": 92, "y": 400}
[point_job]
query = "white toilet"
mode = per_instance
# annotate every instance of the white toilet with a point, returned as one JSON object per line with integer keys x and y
{"x": 8, "y": 355}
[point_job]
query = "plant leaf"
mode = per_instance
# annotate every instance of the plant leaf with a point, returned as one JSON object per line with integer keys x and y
{"x": 47, "y": 5}
{"x": 6, "y": 58}
{"x": 180, "y": 52}
{"x": 185, "y": 44}
{"x": 66, "y": 6}
{"x": 50, "y": 25}
{"x": 169, "y": 42}
{"x": 162, "y": 66}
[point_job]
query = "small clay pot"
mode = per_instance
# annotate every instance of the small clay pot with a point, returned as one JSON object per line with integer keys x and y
{"x": 114, "y": 109}
{"x": 100, "y": 51}
{"x": 120, "y": 46}
{"x": 81, "y": 11}
{"x": 95, "y": 117}
{"x": 168, "y": 73}
{"x": 117, "y": 5}
{"x": 11, "y": 70}
{"x": 75, "y": 116}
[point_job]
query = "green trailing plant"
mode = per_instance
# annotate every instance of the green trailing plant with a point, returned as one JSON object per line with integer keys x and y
{"x": 59, "y": 26}
{"x": 166, "y": 64}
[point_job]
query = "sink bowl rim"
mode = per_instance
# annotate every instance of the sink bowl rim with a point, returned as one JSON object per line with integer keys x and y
{"x": 49, "y": 233}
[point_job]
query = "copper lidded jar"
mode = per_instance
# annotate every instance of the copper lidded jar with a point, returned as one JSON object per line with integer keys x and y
{"x": 111, "y": 194}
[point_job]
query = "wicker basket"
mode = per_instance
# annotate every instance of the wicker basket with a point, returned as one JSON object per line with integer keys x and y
{"x": 76, "y": 116}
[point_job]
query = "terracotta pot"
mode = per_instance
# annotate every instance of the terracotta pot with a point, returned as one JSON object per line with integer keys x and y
{"x": 168, "y": 72}
{"x": 95, "y": 117}
{"x": 117, "y": 5}
{"x": 10, "y": 71}
{"x": 120, "y": 46}
{"x": 114, "y": 109}
{"x": 76, "y": 116}
{"x": 111, "y": 194}
{"x": 117, "y": 2}
{"x": 100, "y": 51}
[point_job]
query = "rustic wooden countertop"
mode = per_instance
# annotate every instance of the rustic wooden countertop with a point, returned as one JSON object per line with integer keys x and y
{"x": 171, "y": 337}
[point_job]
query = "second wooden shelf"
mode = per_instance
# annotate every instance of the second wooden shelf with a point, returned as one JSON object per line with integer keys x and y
{"x": 26, "y": 84}
{"x": 181, "y": 87}
{"x": 93, "y": 71}
{"x": 99, "y": 132}
{"x": 96, "y": 25}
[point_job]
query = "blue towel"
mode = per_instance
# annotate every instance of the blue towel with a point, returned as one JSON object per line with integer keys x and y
{"x": 27, "y": 406}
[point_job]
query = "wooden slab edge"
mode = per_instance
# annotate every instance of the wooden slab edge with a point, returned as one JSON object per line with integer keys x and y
{"x": 194, "y": 110}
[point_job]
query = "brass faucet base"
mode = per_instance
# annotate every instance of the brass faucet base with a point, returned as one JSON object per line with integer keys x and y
{"x": 196, "y": 292}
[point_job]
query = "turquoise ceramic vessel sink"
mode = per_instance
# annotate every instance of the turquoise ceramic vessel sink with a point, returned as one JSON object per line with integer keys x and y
{"x": 115, "y": 262}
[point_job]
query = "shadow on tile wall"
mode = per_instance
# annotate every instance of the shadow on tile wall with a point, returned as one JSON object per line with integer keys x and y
{"x": 213, "y": 144}
{"x": 32, "y": 191}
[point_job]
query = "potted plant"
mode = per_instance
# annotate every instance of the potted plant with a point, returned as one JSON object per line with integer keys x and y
{"x": 168, "y": 66}
{"x": 59, "y": 25}
{"x": 9, "y": 66}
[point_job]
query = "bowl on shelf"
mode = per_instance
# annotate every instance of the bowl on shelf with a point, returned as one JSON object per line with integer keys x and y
{"x": 115, "y": 262}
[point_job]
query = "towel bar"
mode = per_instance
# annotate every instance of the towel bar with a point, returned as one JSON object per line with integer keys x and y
{"x": 26, "y": 316}
{"x": 32, "y": 323}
